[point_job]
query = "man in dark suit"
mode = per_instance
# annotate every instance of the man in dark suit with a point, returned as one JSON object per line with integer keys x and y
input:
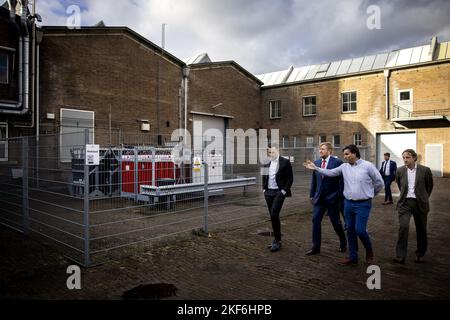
{"x": 416, "y": 184}
{"x": 277, "y": 181}
{"x": 388, "y": 170}
{"x": 326, "y": 195}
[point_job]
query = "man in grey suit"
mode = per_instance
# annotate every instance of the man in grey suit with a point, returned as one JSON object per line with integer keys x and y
{"x": 416, "y": 184}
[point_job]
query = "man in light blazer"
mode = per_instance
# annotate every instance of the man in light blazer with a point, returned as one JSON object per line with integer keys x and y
{"x": 416, "y": 184}
{"x": 326, "y": 195}
{"x": 277, "y": 181}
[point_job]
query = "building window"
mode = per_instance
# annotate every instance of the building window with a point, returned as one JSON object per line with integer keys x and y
{"x": 309, "y": 142}
{"x": 3, "y": 142}
{"x": 309, "y": 106}
{"x": 357, "y": 139}
{"x": 336, "y": 141}
{"x": 275, "y": 109}
{"x": 296, "y": 140}
{"x": 285, "y": 142}
{"x": 4, "y": 63}
{"x": 322, "y": 139}
{"x": 348, "y": 101}
{"x": 73, "y": 124}
{"x": 405, "y": 96}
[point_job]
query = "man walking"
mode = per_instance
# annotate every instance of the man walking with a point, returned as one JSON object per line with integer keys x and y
{"x": 277, "y": 181}
{"x": 416, "y": 184}
{"x": 325, "y": 195}
{"x": 388, "y": 170}
{"x": 362, "y": 181}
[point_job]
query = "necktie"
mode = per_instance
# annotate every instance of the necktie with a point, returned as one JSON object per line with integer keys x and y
{"x": 324, "y": 164}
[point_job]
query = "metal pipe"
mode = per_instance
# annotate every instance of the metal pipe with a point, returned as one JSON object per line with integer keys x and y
{"x": 386, "y": 92}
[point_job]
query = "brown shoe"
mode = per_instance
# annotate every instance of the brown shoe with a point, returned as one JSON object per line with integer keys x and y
{"x": 369, "y": 257}
{"x": 348, "y": 262}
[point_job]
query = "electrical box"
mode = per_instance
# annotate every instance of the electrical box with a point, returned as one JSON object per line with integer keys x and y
{"x": 145, "y": 126}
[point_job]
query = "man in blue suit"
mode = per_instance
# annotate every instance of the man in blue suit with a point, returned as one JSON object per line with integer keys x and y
{"x": 326, "y": 195}
{"x": 388, "y": 170}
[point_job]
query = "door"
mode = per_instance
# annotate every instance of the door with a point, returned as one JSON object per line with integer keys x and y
{"x": 394, "y": 143}
{"x": 434, "y": 159}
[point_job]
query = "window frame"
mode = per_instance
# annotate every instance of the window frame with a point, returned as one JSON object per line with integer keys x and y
{"x": 310, "y": 144}
{"x": 350, "y": 101}
{"x": 272, "y": 106}
{"x": 304, "y": 105}
{"x": 6, "y": 157}
{"x": 334, "y": 140}
{"x": 7, "y": 67}
{"x": 405, "y": 102}
{"x": 285, "y": 142}
{"x": 355, "y": 141}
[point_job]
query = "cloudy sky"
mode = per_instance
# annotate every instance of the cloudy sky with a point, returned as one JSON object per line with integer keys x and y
{"x": 267, "y": 35}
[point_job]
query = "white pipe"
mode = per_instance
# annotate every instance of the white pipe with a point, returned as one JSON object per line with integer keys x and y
{"x": 386, "y": 92}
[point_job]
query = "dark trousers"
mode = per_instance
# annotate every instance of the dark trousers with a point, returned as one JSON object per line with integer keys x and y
{"x": 408, "y": 209}
{"x": 274, "y": 200}
{"x": 387, "y": 188}
{"x": 333, "y": 213}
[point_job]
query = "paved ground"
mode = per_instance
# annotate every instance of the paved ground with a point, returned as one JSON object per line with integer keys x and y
{"x": 236, "y": 264}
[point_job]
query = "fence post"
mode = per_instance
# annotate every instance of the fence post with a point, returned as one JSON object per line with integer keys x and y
{"x": 136, "y": 174}
{"x": 86, "y": 202}
{"x": 25, "y": 199}
{"x": 205, "y": 197}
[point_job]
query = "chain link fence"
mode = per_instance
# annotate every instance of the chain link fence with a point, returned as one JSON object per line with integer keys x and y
{"x": 136, "y": 191}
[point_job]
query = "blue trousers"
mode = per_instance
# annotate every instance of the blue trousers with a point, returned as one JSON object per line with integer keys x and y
{"x": 356, "y": 217}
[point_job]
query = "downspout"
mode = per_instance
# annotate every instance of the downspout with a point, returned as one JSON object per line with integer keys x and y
{"x": 387, "y": 73}
{"x": 186, "y": 80}
{"x": 23, "y": 65}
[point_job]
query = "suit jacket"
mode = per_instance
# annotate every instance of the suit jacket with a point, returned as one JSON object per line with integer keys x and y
{"x": 283, "y": 177}
{"x": 423, "y": 186}
{"x": 392, "y": 169}
{"x": 328, "y": 189}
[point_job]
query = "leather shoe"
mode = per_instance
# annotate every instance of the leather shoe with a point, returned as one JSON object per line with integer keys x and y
{"x": 342, "y": 249}
{"x": 419, "y": 259}
{"x": 348, "y": 262}
{"x": 399, "y": 260}
{"x": 369, "y": 257}
{"x": 275, "y": 246}
{"x": 312, "y": 252}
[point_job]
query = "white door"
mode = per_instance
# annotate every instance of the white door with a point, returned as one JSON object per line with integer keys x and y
{"x": 394, "y": 143}
{"x": 434, "y": 159}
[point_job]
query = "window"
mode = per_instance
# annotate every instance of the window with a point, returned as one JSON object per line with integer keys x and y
{"x": 4, "y": 63}
{"x": 309, "y": 142}
{"x": 275, "y": 109}
{"x": 357, "y": 140}
{"x": 309, "y": 106}
{"x": 322, "y": 139}
{"x": 348, "y": 101}
{"x": 285, "y": 142}
{"x": 405, "y": 96}
{"x": 3, "y": 142}
{"x": 336, "y": 141}
{"x": 73, "y": 124}
{"x": 296, "y": 140}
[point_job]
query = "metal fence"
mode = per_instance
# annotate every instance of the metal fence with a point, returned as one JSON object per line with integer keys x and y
{"x": 136, "y": 194}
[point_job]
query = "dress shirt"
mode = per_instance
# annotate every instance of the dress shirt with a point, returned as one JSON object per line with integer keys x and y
{"x": 362, "y": 180}
{"x": 387, "y": 165}
{"x": 411, "y": 182}
{"x": 273, "y": 169}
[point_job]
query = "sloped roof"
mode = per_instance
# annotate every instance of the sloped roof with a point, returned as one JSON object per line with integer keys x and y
{"x": 396, "y": 58}
{"x": 199, "y": 58}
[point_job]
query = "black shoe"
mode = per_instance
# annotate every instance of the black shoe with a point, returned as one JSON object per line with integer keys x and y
{"x": 312, "y": 252}
{"x": 275, "y": 246}
{"x": 399, "y": 260}
{"x": 342, "y": 249}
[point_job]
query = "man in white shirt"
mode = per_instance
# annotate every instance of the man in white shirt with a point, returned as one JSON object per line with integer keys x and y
{"x": 277, "y": 181}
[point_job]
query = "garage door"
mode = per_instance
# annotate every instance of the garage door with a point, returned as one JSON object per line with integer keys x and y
{"x": 395, "y": 144}
{"x": 208, "y": 129}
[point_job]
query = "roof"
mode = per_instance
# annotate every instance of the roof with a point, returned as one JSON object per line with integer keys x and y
{"x": 370, "y": 63}
{"x": 112, "y": 30}
{"x": 228, "y": 63}
{"x": 200, "y": 58}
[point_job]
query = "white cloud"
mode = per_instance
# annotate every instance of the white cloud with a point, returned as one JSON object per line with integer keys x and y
{"x": 266, "y": 35}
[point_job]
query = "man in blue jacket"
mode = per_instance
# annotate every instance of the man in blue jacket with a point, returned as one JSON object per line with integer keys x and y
{"x": 326, "y": 195}
{"x": 388, "y": 170}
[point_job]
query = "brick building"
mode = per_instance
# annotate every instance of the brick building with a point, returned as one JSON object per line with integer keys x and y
{"x": 127, "y": 90}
